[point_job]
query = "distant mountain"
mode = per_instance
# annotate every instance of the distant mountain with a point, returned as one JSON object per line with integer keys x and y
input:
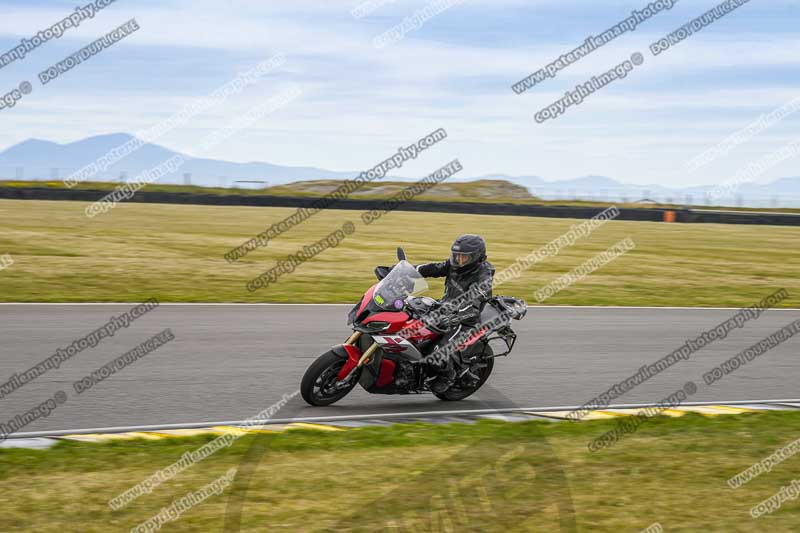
{"x": 784, "y": 192}
{"x": 39, "y": 158}
{"x": 592, "y": 182}
{"x": 35, "y": 153}
{"x": 786, "y": 185}
{"x": 42, "y": 160}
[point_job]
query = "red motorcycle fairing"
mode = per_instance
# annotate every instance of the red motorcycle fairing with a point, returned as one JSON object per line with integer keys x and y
{"x": 416, "y": 332}
{"x": 386, "y": 374}
{"x": 397, "y": 320}
{"x": 380, "y": 374}
{"x": 409, "y": 332}
{"x": 353, "y": 356}
{"x": 394, "y": 345}
{"x": 366, "y": 299}
{"x": 400, "y": 338}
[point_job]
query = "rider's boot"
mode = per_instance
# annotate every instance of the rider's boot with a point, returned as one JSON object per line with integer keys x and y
{"x": 446, "y": 377}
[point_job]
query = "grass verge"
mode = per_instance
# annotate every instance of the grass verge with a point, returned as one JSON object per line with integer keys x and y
{"x": 490, "y": 476}
{"x": 175, "y": 253}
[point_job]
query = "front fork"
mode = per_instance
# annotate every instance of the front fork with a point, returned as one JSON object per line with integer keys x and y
{"x": 367, "y": 354}
{"x": 353, "y": 338}
{"x": 351, "y": 368}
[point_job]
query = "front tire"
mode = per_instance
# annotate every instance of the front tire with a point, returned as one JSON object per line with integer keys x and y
{"x": 456, "y": 393}
{"x": 318, "y": 386}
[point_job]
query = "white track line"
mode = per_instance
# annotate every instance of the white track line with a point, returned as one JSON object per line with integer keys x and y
{"x": 343, "y": 418}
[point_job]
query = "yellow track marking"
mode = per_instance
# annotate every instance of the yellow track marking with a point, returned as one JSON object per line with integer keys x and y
{"x": 614, "y": 413}
{"x": 708, "y": 410}
{"x": 639, "y": 410}
{"x": 148, "y": 435}
{"x": 236, "y": 430}
{"x": 563, "y": 415}
{"x": 305, "y": 425}
{"x": 735, "y": 410}
{"x": 97, "y": 437}
{"x": 186, "y": 432}
{"x": 101, "y": 437}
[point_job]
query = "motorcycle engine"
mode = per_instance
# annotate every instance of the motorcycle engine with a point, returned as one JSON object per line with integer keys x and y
{"x": 404, "y": 375}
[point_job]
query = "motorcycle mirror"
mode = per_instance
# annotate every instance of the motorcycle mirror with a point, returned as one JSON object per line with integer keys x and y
{"x": 401, "y": 255}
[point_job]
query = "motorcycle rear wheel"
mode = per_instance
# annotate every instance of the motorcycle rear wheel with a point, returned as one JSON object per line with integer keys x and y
{"x": 456, "y": 393}
{"x": 318, "y": 384}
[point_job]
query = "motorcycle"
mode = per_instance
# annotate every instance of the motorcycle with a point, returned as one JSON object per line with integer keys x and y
{"x": 390, "y": 350}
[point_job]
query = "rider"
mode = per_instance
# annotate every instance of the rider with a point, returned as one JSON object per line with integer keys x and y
{"x": 466, "y": 269}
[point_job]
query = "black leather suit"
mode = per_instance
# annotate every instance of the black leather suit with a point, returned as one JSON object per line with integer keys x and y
{"x": 468, "y": 311}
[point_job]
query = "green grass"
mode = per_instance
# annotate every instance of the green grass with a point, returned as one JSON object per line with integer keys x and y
{"x": 491, "y": 476}
{"x": 175, "y": 253}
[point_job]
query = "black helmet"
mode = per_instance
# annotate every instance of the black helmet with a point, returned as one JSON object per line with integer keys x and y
{"x": 467, "y": 252}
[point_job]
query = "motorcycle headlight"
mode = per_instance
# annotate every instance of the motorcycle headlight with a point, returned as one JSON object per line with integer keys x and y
{"x": 375, "y": 327}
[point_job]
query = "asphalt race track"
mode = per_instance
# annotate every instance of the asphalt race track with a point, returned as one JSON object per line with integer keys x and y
{"x": 228, "y": 362}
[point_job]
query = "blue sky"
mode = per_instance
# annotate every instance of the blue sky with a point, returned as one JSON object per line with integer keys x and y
{"x": 360, "y": 103}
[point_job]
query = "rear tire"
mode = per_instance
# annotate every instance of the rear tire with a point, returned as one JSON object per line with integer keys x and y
{"x": 456, "y": 393}
{"x": 317, "y": 384}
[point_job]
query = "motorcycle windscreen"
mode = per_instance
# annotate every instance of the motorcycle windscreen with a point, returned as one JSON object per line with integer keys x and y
{"x": 402, "y": 282}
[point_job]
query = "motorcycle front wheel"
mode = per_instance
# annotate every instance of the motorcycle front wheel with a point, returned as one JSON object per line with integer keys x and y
{"x": 320, "y": 385}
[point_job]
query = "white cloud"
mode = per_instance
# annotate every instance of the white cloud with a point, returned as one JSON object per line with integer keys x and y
{"x": 362, "y": 102}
